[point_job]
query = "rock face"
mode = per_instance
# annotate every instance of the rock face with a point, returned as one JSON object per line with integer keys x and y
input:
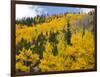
{"x": 84, "y": 10}
{"x": 35, "y": 69}
{"x": 85, "y": 22}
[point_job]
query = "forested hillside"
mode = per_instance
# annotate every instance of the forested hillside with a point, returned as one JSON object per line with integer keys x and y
{"x": 55, "y": 43}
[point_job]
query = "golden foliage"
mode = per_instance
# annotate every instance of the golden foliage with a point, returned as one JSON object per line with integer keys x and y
{"x": 23, "y": 58}
{"x": 77, "y": 56}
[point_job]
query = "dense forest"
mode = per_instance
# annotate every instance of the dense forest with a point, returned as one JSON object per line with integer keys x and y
{"x": 55, "y": 43}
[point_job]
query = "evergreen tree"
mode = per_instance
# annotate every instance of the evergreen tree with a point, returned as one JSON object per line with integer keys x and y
{"x": 68, "y": 33}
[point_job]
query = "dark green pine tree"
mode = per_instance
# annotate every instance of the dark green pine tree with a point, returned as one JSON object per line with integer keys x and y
{"x": 39, "y": 45}
{"x": 68, "y": 34}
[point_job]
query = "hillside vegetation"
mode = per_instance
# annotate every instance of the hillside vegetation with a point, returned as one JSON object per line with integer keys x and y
{"x": 55, "y": 43}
